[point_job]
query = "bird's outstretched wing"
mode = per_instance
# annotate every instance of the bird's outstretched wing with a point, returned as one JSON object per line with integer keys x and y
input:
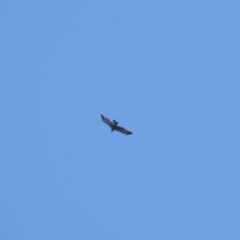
{"x": 122, "y": 130}
{"x": 107, "y": 121}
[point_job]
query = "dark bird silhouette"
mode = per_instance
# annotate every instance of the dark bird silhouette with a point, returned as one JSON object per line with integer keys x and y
{"x": 113, "y": 126}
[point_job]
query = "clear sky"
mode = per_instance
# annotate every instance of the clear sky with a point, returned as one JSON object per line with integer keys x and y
{"x": 169, "y": 71}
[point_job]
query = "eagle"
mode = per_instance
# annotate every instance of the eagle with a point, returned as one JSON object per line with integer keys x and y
{"x": 113, "y": 126}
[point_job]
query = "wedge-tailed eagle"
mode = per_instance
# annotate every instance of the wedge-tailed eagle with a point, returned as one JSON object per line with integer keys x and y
{"x": 113, "y": 126}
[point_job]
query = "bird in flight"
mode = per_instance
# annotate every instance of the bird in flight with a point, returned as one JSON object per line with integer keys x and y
{"x": 113, "y": 126}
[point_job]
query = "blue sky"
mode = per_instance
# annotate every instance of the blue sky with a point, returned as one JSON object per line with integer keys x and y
{"x": 166, "y": 70}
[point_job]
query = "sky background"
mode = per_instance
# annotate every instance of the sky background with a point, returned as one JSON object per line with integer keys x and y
{"x": 169, "y": 71}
